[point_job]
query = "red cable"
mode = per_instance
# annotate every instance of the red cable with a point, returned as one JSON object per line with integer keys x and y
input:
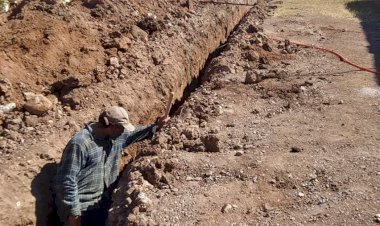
{"x": 332, "y": 52}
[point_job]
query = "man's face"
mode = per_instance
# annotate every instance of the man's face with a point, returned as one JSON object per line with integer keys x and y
{"x": 116, "y": 131}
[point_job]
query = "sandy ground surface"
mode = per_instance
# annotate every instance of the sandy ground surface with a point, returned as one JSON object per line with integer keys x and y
{"x": 275, "y": 135}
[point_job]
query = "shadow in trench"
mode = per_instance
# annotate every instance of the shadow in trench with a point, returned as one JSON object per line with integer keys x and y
{"x": 368, "y": 11}
{"x": 42, "y": 191}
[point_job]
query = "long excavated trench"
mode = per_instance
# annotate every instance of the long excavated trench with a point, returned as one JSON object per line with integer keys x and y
{"x": 197, "y": 72}
{"x": 201, "y": 77}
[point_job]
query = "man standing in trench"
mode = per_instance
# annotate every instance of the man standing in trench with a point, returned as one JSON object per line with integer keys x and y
{"x": 89, "y": 166}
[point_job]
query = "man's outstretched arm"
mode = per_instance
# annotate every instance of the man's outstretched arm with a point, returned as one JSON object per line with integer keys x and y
{"x": 143, "y": 132}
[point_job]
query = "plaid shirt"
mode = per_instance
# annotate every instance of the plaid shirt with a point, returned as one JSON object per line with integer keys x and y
{"x": 89, "y": 166}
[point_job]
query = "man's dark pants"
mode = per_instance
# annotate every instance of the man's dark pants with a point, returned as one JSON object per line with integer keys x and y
{"x": 95, "y": 217}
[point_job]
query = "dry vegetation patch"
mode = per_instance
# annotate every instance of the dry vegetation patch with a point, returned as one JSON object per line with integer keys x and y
{"x": 336, "y": 8}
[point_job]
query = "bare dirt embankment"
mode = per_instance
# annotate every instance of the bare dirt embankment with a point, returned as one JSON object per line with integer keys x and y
{"x": 277, "y": 135}
{"x": 83, "y": 58}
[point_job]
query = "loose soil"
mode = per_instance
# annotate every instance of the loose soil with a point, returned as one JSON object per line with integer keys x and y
{"x": 275, "y": 134}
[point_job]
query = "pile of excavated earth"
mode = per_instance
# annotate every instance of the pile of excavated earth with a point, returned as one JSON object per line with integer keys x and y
{"x": 262, "y": 131}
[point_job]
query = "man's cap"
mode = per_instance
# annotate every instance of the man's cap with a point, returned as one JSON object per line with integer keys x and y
{"x": 116, "y": 115}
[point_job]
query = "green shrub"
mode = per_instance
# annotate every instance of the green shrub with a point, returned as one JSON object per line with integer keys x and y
{"x": 2, "y": 5}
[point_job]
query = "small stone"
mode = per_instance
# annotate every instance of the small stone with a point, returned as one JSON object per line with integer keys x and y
{"x": 273, "y": 181}
{"x": 31, "y": 120}
{"x": 238, "y": 146}
{"x": 214, "y": 130}
{"x": 267, "y": 47}
{"x": 239, "y": 153}
{"x": 143, "y": 199}
{"x": 255, "y": 111}
{"x": 191, "y": 132}
{"x": 138, "y": 33}
{"x": 211, "y": 143}
{"x": 377, "y": 218}
{"x": 206, "y": 92}
{"x": 199, "y": 148}
{"x": 93, "y": 3}
{"x": 114, "y": 61}
{"x": 72, "y": 124}
{"x": 161, "y": 139}
{"x": 197, "y": 178}
{"x": 123, "y": 43}
{"x": 267, "y": 207}
{"x": 295, "y": 149}
{"x": 208, "y": 174}
{"x": 46, "y": 156}
{"x": 38, "y": 104}
{"x": 3, "y": 144}
{"x": 187, "y": 3}
{"x": 158, "y": 59}
{"x": 7, "y": 108}
{"x": 247, "y": 146}
{"x": 15, "y": 121}
{"x": 190, "y": 178}
{"x": 264, "y": 60}
{"x": 300, "y": 194}
{"x": 251, "y": 56}
{"x": 226, "y": 208}
{"x": 252, "y": 78}
{"x": 5, "y": 87}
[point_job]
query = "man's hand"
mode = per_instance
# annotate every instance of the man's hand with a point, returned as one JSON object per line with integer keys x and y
{"x": 162, "y": 121}
{"x": 74, "y": 220}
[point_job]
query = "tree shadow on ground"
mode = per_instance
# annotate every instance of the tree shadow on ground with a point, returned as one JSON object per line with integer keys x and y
{"x": 368, "y": 11}
{"x": 42, "y": 191}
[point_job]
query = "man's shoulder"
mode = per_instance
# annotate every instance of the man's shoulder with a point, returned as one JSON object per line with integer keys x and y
{"x": 83, "y": 136}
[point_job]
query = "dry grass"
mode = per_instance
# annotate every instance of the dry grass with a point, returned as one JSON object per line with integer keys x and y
{"x": 2, "y": 3}
{"x": 333, "y": 8}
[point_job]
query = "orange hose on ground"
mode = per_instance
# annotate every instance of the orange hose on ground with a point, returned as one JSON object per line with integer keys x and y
{"x": 226, "y": 3}
{"x": 332, "y": 52}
